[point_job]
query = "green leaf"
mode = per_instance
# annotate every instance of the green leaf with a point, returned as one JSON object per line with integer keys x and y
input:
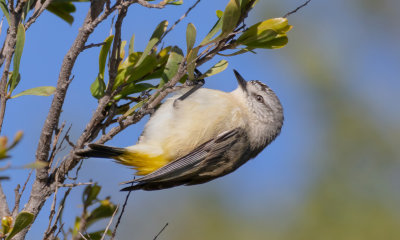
{"x": 264, "y": 31}
{"x": 219, "y": 13}
{"x": 19, "y": 46}
{"x": 241, "y": 51}
{"x": 191, "y": 63}
{"x": 190, "y": 36}
{"x": 6, "y": 223}
{"x": 175, "y": 2}
{"x": 135, "y": 88}
{"x": 216, "y": 28}
{"x": 27, "y": 8}
{"x": 155, "y": 37}
{"x": 23, "y": 220}
{"x": 63, "y": 10}
{"x": 137, "y": 73}
{"x": 90, "y": 194}
{"x": 278, "y": 42}
{"x": 122, "y": 50}
{"x": 171, "y": 68}
{"x": 105, "y": 210}
{"x": 131, "y": 44}
{"x": 244, "y": 3}
{"x": 133, "y": 109}
{"x": 98, "y": 87}
{"x": 103, "y": 54}
{"x": 36, "y": 165}
{"x": 4, "y": 8}
{"x": 231, "y": 17}
{"x": 37, "y": 91}
{"x": 98, "y": 235}
{"x": 217, "y": 68}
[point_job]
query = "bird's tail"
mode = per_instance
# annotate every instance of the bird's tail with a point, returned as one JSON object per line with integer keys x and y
{"x": 144, "y": 162}
{"x": 100, "y": 151}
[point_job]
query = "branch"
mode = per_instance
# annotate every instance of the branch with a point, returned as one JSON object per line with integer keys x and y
{"x": 4, "y": 210}
{"x": 37, "y": 13}
{"x": 178, "y": 21}
{"x": 152, "y": 5}
{"x": 158, "y": 234}
{"x": 93, "y": 45}
{"x": 41, "y": 190}
{"x": 18, "y": 195}
{"x": 7, "y": 54}
{"x": 109, "y": 223}
{"x": 120, "y": 215}
{"x": 297, "y": 9}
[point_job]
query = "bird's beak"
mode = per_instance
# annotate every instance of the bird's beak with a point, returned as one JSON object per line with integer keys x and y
{"x": 241, "y": 81}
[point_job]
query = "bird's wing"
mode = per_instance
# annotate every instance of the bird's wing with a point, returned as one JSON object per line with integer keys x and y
{"x": 184, "y": 166}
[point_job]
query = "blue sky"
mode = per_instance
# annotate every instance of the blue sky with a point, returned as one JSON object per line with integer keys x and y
{"x": 365, "y": 55}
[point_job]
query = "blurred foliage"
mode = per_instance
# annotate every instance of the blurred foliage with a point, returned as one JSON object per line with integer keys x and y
{"x": 9, "y": 228}
{"x": 94, "y": 210}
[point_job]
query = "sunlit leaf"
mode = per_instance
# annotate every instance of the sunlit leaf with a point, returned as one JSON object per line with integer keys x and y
{"x": 6, "y": 223}
{"x": 171, "y": 68}
{"x": 104, "y": 53}
{"x": 98, "y": 87}
{"x": 122, "y": 50}
{"x": 37, "y": 91}
{"x": 191, "y": 62}
{"x": 175, "y": 2}
{"x": 139, "y": 71}
{"x": 264, "y": 31}
{"x": 241, "y": 51}
{"x": 23, "y": 220}
{"x": 135, "y": 88}
{"x": 133, "y": 109}
{"x": 4, "y": 9}
{"x": 231, "y": 17}
{"x": 190, "y": 36}
{"x": 19, "y": 46}
{"x": 217, "y": 68}
{"x": 131, "y": 44}
{"x": 278, "y": 42}
{"x": 155, "y": 37}
{"x": 216, "y": 28}
{"x": 37, "y": 165}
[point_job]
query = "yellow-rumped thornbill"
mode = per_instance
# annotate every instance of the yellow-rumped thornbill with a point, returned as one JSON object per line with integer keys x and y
{"x": 197, "y": 136}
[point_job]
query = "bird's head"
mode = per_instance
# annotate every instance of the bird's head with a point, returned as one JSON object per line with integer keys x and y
{"x": 265, "y": 109}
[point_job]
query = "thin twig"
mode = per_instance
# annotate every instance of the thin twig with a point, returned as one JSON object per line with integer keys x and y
{"x": 297, "y": 9}
{"x": 120, "y": 215}
{"x": 178, "y": 21}
{"x": 93, "y": 45}
{"x": 19, "y": 195}
{"x": 158, "y": 234}
{"x": 82, "y": 236}
{"x": 70, "y": 185}
{"x": 109, "y": 223}
{"x": 49, "y": 229}
{"x": 37, "y": 13}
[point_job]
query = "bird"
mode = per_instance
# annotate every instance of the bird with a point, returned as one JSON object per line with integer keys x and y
{"x": 198, "y": 135}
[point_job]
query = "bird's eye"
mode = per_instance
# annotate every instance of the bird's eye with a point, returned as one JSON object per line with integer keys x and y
{"x": 259, "y": 98}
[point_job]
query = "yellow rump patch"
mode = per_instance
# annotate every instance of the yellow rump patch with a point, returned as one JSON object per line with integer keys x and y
{"x": 143, "y": 163}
